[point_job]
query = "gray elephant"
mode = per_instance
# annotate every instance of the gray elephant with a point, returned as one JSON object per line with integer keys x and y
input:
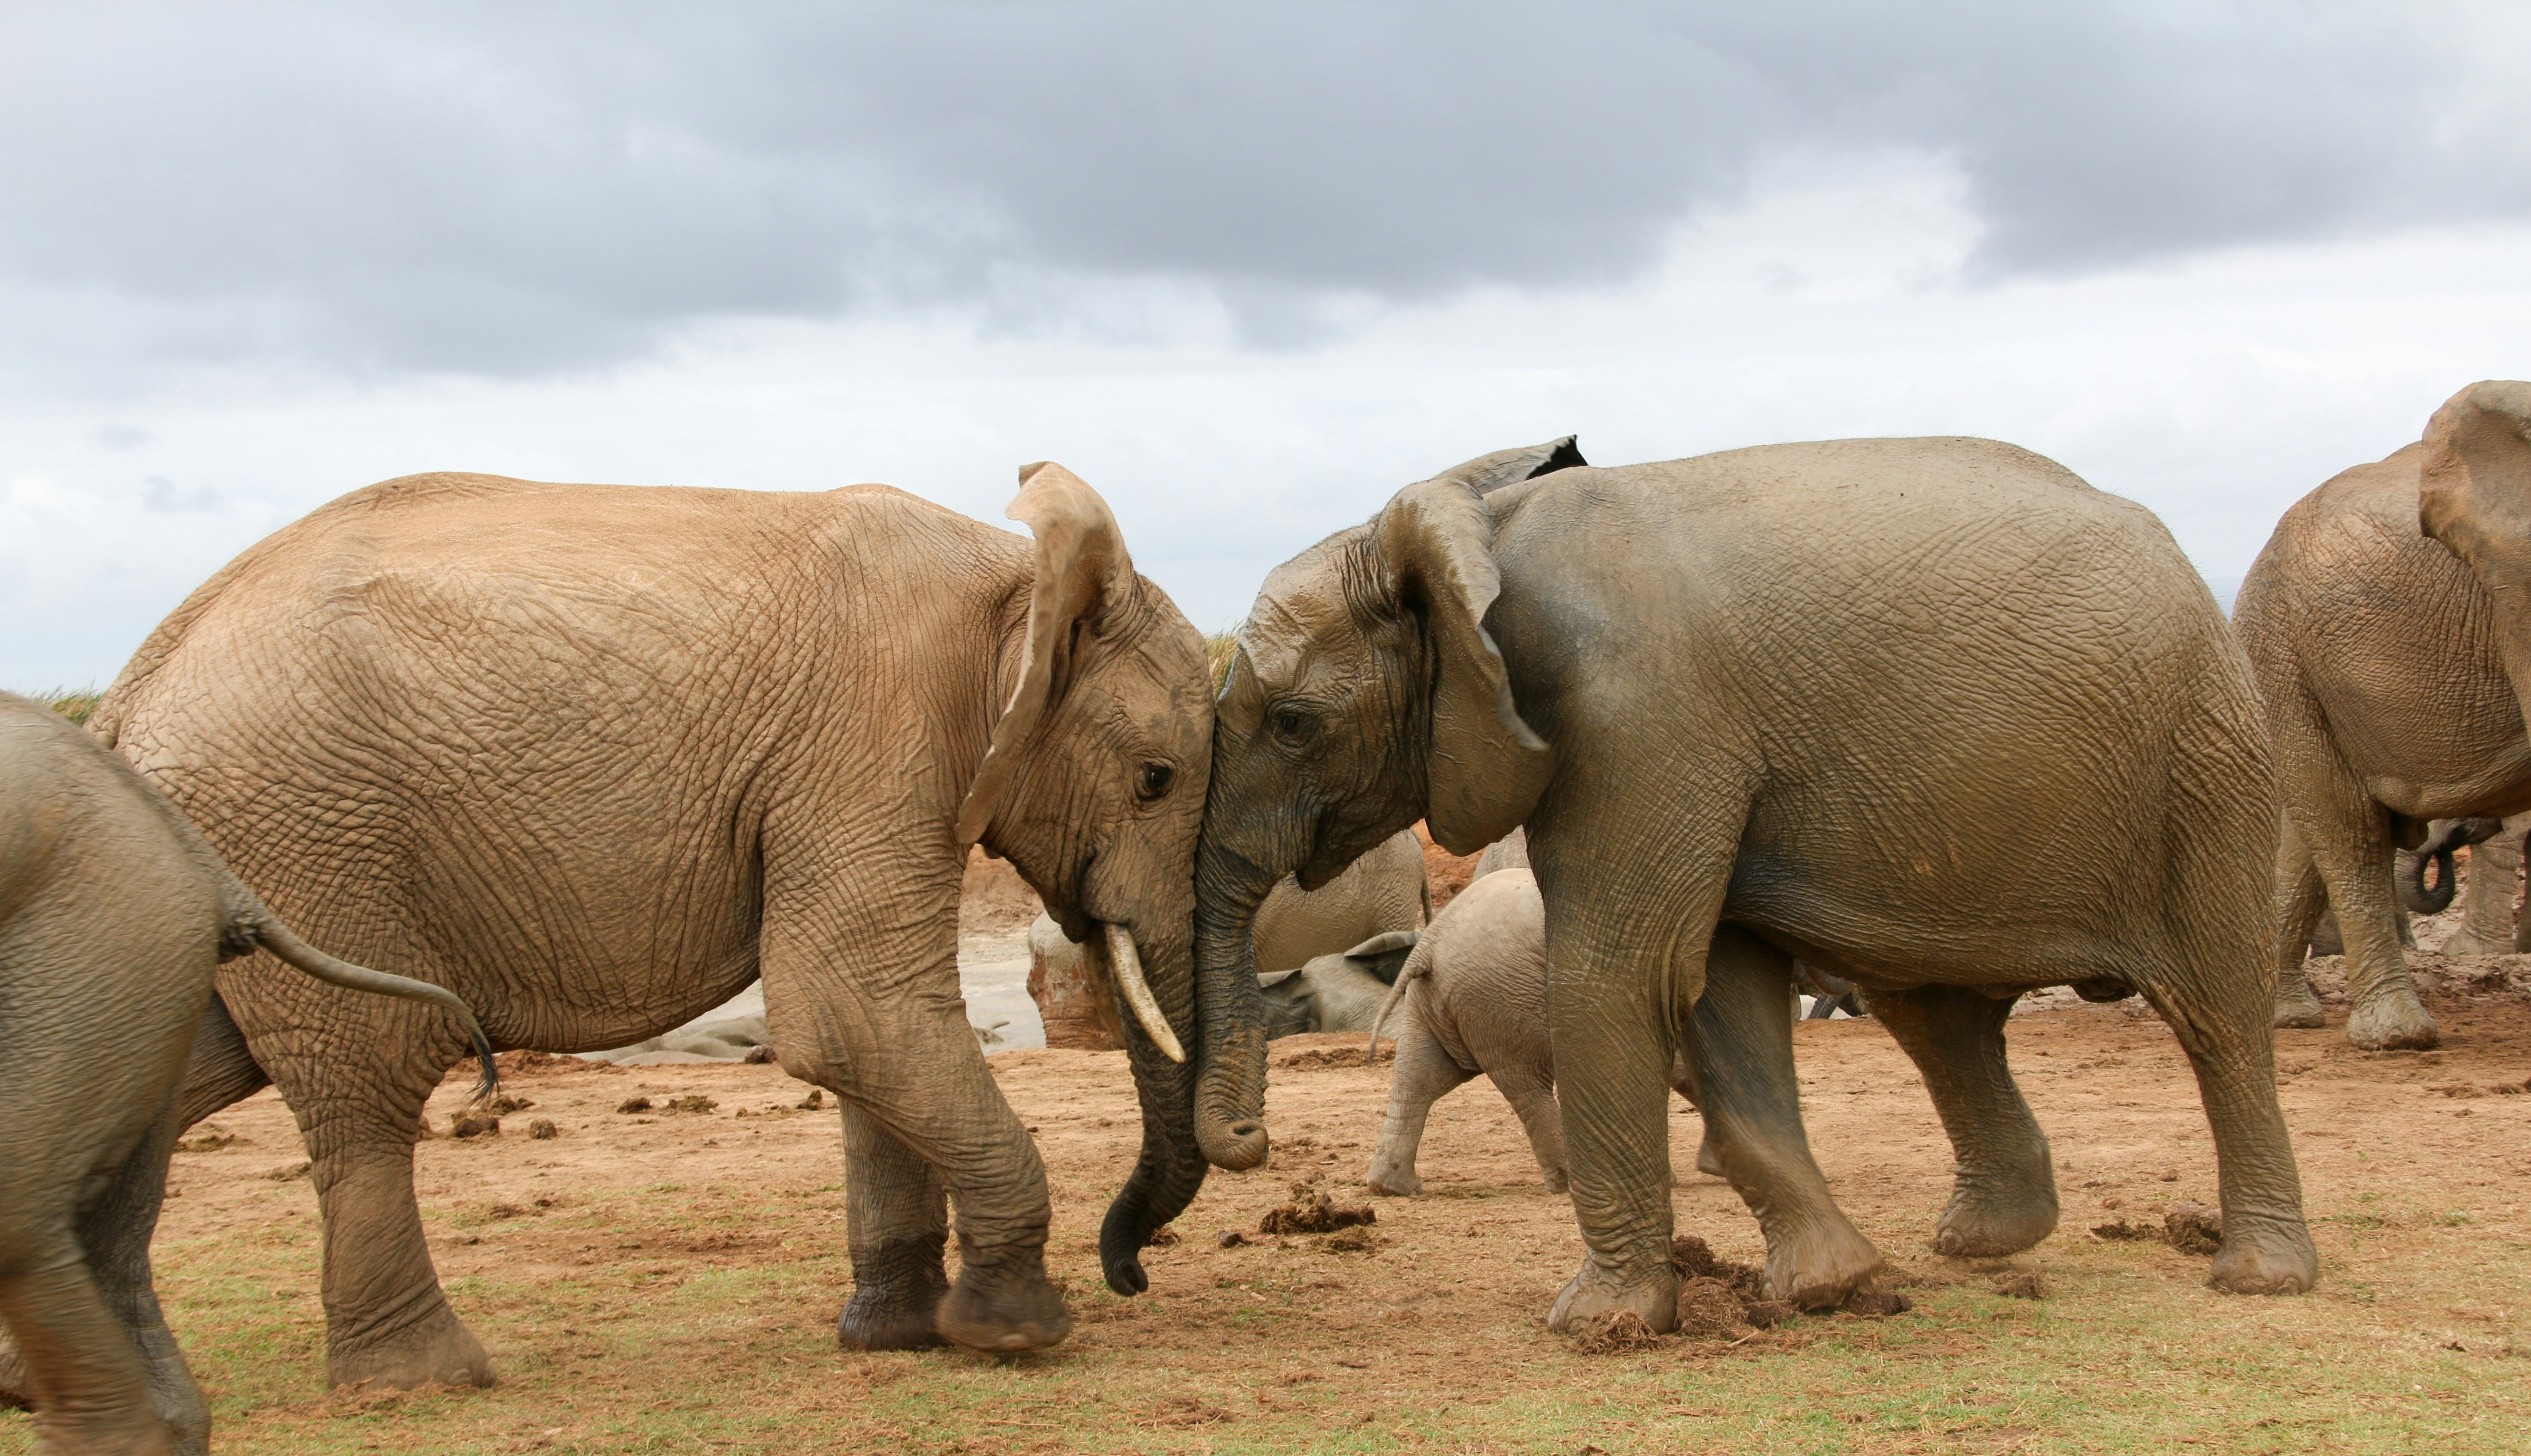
{"x": 607, "y": 753}
{"x": 1804, "y": 695}
{"x": 1383, "y": 891}
{"x": 114, "y": 916}
{"x": 2394, "y": 671}
{"x": 1341, "y": 992}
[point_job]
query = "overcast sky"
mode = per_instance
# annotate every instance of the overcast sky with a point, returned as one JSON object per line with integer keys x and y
{"x": 1247, "y": 269}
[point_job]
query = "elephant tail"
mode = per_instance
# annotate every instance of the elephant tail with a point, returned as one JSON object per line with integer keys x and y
{"x": 260, "y": 926}
{"x": 1418, "y": 961}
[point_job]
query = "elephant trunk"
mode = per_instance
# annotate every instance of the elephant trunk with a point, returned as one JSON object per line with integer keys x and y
{"x": 1171, "y": 1167}
{"x": 1230, "y": 1063}
{"x": 2415, "y": 893}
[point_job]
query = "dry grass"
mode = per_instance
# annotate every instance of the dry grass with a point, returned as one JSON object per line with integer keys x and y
{"x": 75, "y": 706}
{"x": 668, "y": 1282}
{"x": 1219, "y": 648}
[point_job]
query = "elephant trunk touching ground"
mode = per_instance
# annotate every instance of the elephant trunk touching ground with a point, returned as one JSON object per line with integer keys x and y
{"x": 1172, "y": 1166}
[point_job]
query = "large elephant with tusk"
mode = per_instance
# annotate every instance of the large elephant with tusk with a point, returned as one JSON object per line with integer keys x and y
{"x": 596, "y": 756}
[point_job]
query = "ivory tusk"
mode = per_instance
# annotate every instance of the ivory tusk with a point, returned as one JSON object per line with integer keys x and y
{"x": 1127, "y": 962}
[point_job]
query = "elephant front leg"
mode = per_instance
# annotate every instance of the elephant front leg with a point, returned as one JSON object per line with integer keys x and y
{"x": 1742, "y": 1045}
{"x": 897, "y": 1218}
{"x": 2004, "y": 1194}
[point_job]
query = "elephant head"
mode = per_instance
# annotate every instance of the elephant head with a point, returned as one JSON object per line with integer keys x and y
{"x": 1365, "y": 694}
{"x": 2474, "y": 495}
{"x": 1094, "y": 787}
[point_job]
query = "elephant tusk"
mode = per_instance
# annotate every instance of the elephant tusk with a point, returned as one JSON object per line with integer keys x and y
{"x": 1127, "y": 962}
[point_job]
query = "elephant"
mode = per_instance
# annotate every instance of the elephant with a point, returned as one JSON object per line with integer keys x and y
{"x": 115, "y": 915}
{"x": 599, "y": 755}
{"x": 2378, "y": 621}
{"x": 2488, "y": 923}
{"x": 1341, "y": 992}
{"x": 1383, "y": 893}
{"x": 1805, "y": 692}
{"x": 1511, "y": 852}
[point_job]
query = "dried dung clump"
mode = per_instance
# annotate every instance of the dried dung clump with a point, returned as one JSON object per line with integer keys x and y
{"x": 1694, "y": 1258}
{"x": 2194, "y": 1228}
{"x": 542, "y": 1128}
{"x": 1320, "y": 1215}
{"x": 2020, "y": 1284}
{"x": 1617, "y": 1332}
{"x": 1709, "y": 1308}
{"x": 2119, "y": 1229}
{"x": 1161, "y": 1237}
{"x": 1350, "y": 1241}
{"x": 816, "y": 1099}
{"x": 471, "y": 1126}
{"x": 503, "y": 1104}
{"x": 690, "y": 1102}
{"x": 633, "y": 1104}
{"x": 1875, "y": 1304}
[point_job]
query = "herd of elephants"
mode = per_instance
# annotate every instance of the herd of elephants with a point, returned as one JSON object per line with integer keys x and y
{"x": 560, "y": 766}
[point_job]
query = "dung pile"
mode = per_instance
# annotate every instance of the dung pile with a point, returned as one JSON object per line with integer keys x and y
{"x": 1314, "y": 1216}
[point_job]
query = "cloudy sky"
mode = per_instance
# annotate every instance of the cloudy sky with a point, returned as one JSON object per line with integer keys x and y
{"x": 1246, "y": 268}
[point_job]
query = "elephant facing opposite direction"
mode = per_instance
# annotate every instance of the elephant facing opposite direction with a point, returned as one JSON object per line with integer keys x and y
{"x": 1790, "y": 692}
{"x": 2385, "y": 622}
{"x": 597, "y": 757}
{"x": 114, "y": 915}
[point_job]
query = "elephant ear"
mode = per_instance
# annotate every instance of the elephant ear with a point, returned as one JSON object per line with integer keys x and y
{"x": 1485, "y": 767}
{"x": 2474, "y": 488}
{"x": 1487, "y": 473}
{"x": 1082, "y": 573}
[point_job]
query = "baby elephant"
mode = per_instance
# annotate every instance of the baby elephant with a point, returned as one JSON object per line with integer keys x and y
{"x": 114, "y": 913}
{"x": 1339, "y": 992}
{"x": 1475, "y": 990}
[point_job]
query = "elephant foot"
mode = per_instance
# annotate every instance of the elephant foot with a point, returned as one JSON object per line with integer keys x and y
{"x": 1821, "y": 1269}
{"x": 439, "y": 1350}
{"x": 1599, "y": 1290}
{"x": 2468, "y": 942}
{"x": 2394, "y": 1022}
{"x": 1557, "y": 1180}
{"x": 2296, "y": 1006}
{"x": 2264, "y": 1257}
{"x": 1395, "y": 1183}
{"x": 1004, "y": 1303}
{"x": 1991, "y": 1217}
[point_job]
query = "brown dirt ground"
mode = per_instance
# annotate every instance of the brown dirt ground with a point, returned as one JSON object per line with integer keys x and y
{"x": 612, "y": 1263}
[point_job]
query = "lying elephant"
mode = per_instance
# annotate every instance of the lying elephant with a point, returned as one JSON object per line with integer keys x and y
{"x": 1341, "y": 992}
{"x": 2385, "y": 624}
{"x": 114, "y": 915}
{"x": 1786, "y": 692}
{"x": 620, "y": 751}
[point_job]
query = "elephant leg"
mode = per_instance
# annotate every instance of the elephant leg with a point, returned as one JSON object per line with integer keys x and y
{"x": 1742, "y": 1032}
{"x": 2383, "y": 1010}
{"x": 1425, "y": 1071}
{"x": 1530, "y": 1090}
{"x": 2004, "y": 1194}
{"x": 389, "y": 1325}
{"x": 116, "y": 1234}
{"x": 897, "y": 1218}
{"x": 2487, "y": 908}
{"x": 2267, "y": 1247}
{"x": 89, "y": 1385}
{"x": 2301, "y": 899}
{"x": 868, "y": 1007}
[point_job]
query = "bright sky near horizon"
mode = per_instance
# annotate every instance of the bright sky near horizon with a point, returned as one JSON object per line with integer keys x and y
{"x": 1246, "y": 269}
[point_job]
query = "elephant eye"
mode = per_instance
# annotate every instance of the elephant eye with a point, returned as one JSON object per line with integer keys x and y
{"x": 1291, "y": 725}
{"x": 1156, "y": 780}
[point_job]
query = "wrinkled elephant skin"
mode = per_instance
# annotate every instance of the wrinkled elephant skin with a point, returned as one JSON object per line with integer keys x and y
{"x": 1773, "y": 703}
{"x": 598, "y": 756}
{"x": 2393, "y": 674}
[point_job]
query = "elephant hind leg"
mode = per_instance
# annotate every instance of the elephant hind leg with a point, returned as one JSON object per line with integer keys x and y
{"x": 1425, "y": 1071}
{"x": 87, "y": 1381}
{"x": 1743, "y": 1034}
{"x": 1530, "y": 1090}
{"x": 2301, "y": 899}
{"x": 2004, "y": 1195}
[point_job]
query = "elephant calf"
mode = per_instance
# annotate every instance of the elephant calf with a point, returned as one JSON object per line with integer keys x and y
{"x": 114, "y": 913}
{"x": 1341, "y": 992}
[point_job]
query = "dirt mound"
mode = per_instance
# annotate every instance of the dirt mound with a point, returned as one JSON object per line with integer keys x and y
{"x": 1309, "y": 1051}
{"x": 525, "y": 1061}
{"x": 1317, "y": 1215}
{"x": 1617, "y": 1332}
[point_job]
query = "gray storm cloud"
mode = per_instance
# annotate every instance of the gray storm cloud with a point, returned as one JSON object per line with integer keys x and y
{"x": 515, "y": 189}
